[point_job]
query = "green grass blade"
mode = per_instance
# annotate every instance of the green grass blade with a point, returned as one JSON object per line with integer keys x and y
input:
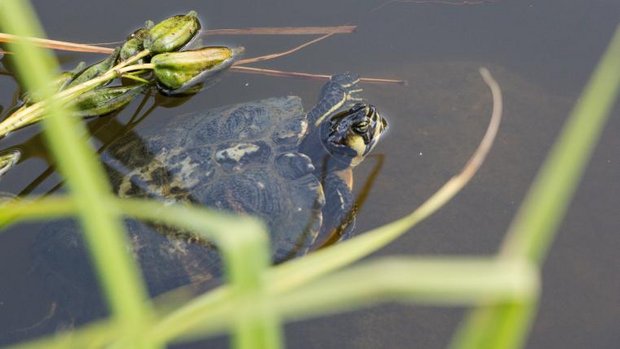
{"x": 242, "y": 242}
{"x": 499, "y": 326}
{"x": 244, "y": 246}
{"x": 534, "y": 227}
{"x": 434, "y": 281}
{"x": 50, "y": 207}
{"x": 102, "y": 226}
{"x": 544, "y": 207}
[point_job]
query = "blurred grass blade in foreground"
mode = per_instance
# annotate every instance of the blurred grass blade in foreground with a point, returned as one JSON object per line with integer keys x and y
{"x": 537, "y": 221}
{"x": 103, "y": 231}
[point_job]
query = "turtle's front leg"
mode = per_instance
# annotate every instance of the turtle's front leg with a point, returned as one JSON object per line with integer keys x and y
{"x": 339, "y": 210}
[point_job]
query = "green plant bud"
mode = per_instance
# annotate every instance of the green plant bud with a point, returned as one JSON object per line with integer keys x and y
{"x": 134, "y": 43}
{"x": 95, "y": 70}
{"x": 8, "y": 159}
{"x": 181, "y": 72}
{"x": 172, "y": 33}
{"x": 105, "y": 100}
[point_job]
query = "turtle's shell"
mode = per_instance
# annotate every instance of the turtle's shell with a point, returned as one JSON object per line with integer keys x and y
{"x": 245, "y": 158}
{"x": 241, "y": 158}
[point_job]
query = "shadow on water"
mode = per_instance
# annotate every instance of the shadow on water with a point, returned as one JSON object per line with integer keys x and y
{"x": 541, "y": 54}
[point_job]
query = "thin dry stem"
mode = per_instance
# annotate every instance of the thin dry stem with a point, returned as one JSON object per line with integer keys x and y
{"x": 309, "y": 76}
{"x": 487, "y": 142}
{"x": 57, "y": 45}
{"x": 71, "y": 46}
{"x": 456, "y": 183}
{"x": 328, "y": 31}
{"x": 341, "y": 29}
{"x": 280, "y": 54}
{"x": 436, "y": 2}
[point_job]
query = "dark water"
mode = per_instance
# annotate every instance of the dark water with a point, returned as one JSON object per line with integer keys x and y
{"x": 541, "y": 53}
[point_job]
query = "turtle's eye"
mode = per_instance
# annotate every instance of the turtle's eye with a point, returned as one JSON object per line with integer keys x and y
{"x": 361, "y": 127}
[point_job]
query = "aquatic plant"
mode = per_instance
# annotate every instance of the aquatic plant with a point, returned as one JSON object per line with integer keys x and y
{"x": 173, "y": 71}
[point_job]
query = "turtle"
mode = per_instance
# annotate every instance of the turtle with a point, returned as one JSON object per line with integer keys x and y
{"x": 265, "y": 158}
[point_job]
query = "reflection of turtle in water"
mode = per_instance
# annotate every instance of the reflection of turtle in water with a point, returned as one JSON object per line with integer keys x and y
{"x": 264, "y": 158}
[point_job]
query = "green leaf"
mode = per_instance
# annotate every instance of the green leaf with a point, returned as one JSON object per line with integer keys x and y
{"x": 95, "y": 70}
{"x": 105, "y": 100}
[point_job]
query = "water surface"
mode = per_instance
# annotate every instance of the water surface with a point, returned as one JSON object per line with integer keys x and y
{"x": 541, "y": 53}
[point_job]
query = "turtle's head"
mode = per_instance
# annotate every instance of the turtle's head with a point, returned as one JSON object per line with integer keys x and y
{"x": 350, "y": 135}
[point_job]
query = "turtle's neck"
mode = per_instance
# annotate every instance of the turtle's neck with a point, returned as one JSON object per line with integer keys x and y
{"x": 323, "y": 161}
